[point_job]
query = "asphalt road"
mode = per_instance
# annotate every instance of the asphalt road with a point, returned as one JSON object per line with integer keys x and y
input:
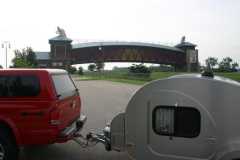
{"x": 101, "y": 101}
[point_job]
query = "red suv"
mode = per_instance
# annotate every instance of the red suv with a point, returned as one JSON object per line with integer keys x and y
{"x": 37, "y": 106}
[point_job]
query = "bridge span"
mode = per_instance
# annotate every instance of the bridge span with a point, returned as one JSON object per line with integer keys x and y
{"x": 183, "y": 56}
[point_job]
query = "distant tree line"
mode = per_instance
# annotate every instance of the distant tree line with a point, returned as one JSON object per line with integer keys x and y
{"x": 225, "y": 65}
{"x": 73, "y": 70}
{"x": 98, "y": 66}
{"x": 26, "y": 58}
{"x": 139, "y": 70}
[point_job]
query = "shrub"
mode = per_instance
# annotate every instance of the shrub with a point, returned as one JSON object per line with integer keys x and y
{"x": 80, "y": 70}
{"x": 92, "y": 67}
{"x": 139, "y": 70}
{"x": 71, "y": 69}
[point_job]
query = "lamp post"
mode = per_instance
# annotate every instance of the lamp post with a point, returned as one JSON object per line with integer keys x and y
{"x": 6, "y": 45}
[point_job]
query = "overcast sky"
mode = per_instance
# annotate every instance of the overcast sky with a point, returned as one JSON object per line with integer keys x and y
{"x": 214, "y": 25}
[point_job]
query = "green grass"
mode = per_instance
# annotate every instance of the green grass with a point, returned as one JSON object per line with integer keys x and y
{"x": 124, "y": 77}
{"x": 235, "y": 76}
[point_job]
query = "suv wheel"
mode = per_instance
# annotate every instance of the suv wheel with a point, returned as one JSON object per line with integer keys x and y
{"x": 8, "y": 148}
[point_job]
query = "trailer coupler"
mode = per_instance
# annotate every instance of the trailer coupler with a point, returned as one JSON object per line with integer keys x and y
{"x": 91, "y": 139}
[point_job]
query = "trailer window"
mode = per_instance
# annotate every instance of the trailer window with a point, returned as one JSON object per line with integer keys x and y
{"x": 176, "y": 121}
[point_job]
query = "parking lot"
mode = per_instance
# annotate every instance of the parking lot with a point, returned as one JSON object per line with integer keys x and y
{"x": 101, "y": 101}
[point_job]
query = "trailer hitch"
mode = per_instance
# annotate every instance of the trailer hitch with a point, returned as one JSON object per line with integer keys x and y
{"x": 91, "y": 139}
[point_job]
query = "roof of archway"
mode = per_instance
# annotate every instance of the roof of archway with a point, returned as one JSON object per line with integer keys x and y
{"x": 118, "y": 43}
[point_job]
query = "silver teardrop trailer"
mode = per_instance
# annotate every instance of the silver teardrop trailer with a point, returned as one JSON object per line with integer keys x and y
{"x": 185, "y": 117}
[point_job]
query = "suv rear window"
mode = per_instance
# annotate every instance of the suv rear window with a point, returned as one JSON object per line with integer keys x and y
{"x": 64, "y": 85}
{"x": 19, "y": 85}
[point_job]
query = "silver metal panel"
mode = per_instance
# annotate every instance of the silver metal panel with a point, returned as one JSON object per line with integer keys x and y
{"x": 118, "y": 133}
{"x": 217, "y": 100}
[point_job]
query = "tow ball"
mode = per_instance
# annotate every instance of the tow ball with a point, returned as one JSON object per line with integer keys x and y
{"x": 91, "y": 139}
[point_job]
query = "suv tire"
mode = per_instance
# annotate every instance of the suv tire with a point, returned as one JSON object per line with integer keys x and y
{"x": 8, "y": 147}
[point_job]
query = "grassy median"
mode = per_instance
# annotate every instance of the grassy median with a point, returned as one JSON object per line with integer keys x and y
{"x": 124, "y": 77}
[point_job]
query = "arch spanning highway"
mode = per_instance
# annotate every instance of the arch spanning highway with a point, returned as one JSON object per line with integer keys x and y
{"x": 126, "y": 52}
{"x": 183, "y": 56}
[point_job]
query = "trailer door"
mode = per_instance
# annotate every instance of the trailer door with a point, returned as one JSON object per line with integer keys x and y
{"x": 178, "y": 127}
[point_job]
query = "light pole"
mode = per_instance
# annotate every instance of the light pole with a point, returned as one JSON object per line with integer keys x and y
{"x": 6, "y": 45}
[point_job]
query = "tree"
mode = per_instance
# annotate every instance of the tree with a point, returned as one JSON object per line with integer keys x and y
{"x": 21, "y": 63}
{"x": 80, "y": 70}
{"x": 139, "y": 70}
{"x": 235, "y": 66}
{"x": 31, "y": 57}
{"x": 100, "y": 65}
{"x": 212, "y": 61}
{"x": 25, "y": 58}
{"x": 1, "y": 67}
{"x": 225, "y": 64}
{"x": 71, "y": 69}
{"x": 92, "y": 67}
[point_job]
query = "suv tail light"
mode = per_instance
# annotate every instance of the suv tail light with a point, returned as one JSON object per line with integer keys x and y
{"x": 55, "y": 122}
{"x": 55, "y": 116}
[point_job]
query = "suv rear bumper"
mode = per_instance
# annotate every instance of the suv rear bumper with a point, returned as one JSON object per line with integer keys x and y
{"x": 69, "y": 132}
